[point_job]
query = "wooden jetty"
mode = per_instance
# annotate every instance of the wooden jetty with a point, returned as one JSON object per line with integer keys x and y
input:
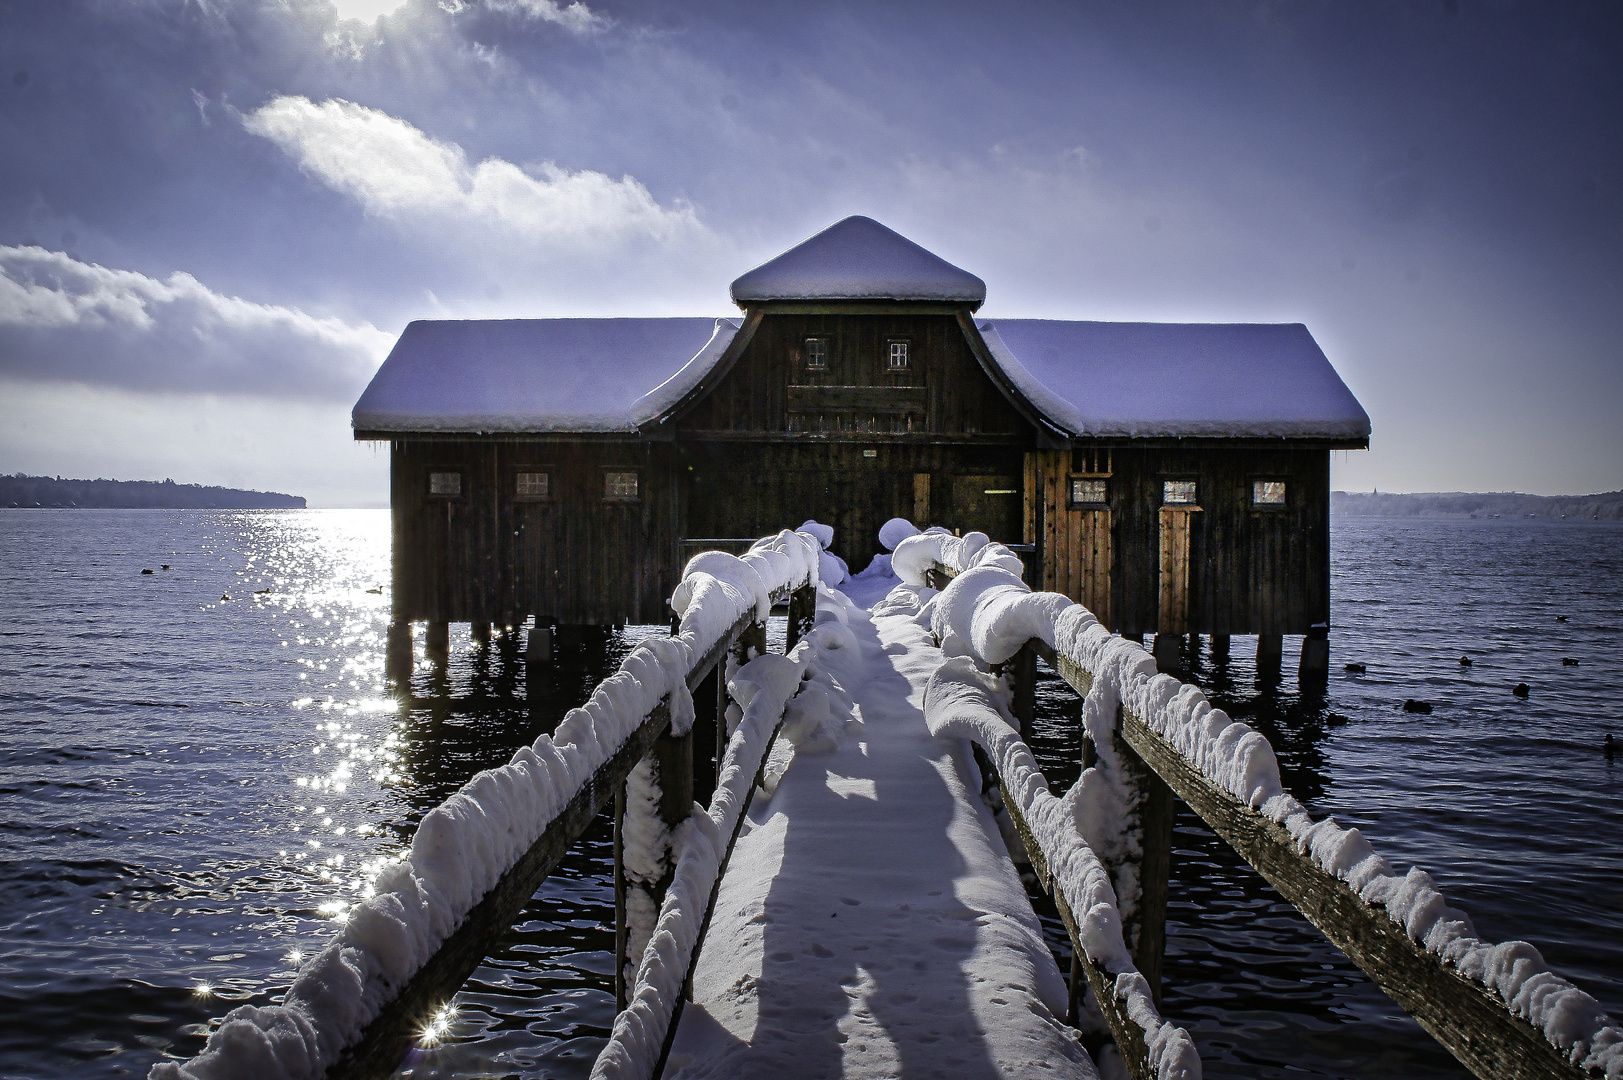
{"x": 713, "y": 891}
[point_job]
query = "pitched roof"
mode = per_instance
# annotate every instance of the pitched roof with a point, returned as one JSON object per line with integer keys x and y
{"x": 1185, "y": 380}
{"x": 858, "y": 259}
{"x": 539, "y": 375}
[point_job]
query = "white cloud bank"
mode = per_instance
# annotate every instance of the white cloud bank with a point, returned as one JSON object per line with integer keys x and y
{"x": 65, "y": 320}
{"x": 394, "y": 170}
{"x": 576, "y": 16}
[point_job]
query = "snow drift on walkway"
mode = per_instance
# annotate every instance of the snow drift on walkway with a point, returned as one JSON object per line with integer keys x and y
{"x": 465, "y": 845}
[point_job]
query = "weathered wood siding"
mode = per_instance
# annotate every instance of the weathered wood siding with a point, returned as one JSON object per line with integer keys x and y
{"x": 771, "y": 390}
{"x": 1228, "y": 568}
{"x": 751, "y": 489}
{"x": 573, "y": 557}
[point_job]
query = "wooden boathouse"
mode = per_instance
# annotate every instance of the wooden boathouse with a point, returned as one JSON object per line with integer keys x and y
{"x": 1174, "y": 478}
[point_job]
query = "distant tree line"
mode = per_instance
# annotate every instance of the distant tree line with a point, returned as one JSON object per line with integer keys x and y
{"x": 19, "y": 490}
{"x": 1607, "y": 506}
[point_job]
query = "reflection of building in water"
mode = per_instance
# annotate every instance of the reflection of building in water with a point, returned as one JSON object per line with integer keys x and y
{"x": 1174, "y": 478}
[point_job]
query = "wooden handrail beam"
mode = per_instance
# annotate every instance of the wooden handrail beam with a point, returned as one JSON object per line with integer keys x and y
{"x": 1469, "y": 1020}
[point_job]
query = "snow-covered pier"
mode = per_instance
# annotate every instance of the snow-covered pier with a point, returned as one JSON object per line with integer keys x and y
{"x": 850, "y": 901}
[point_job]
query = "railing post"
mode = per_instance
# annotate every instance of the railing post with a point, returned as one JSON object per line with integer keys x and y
{"x": 668, "y": 770}
{"x": 802, "y": 615}
{"x": 619, "y": 900}
{"x": 1021, "y": 671}
{"x": 1146, "y": 929}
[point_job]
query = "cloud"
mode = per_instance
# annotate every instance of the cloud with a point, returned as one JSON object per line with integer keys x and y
{"x": 66, "y": 320}
{"x": 577, "y": 16}
{"x": 396, "y": 171}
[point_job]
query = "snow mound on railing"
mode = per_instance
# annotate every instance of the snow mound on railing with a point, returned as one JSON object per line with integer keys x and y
{"x": 982, "y": 613}
{"x": 916, "y": 554}
{"x": 464, "y": 846}
{"x": 962, "y": 702}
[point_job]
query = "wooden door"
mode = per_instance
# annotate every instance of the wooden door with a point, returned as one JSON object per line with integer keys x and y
{"x": 1175, "y": 525}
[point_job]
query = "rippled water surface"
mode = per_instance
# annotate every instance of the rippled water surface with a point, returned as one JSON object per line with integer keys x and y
{"x": 199, "y": 769}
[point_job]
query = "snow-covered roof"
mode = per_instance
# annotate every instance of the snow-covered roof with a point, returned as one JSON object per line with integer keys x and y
{"x": 539, "y": 375}
{"x": 858, "y": 259}
{"x": 1187, "y": 380}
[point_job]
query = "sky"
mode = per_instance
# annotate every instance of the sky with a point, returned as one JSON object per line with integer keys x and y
{"x": 217, "y": 215}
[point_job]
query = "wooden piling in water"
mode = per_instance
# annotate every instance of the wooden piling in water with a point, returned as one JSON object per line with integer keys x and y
{"x": 437, "y": 644}
{"x": 397, "y": 657}
{"x": 1168, "y": 650}
{"x": 1220, "y": 646}
{"x": 1270, "y": 652}
{"x": 1314, "y": 667}
{"x": 538, "y": 653}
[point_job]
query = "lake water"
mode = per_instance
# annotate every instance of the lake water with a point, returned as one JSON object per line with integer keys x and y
{"x": 194, "y": 786}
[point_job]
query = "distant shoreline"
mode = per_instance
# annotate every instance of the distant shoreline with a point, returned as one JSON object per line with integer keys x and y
{"x": 22, "y": 492}
{"x": 1607, "y": 506}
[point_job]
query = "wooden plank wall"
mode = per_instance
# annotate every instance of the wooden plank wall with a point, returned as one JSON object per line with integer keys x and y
{"x": 751, "y": 489}
{"x": 574, "y": 558}
{"x": 1231, "y": 568}
{"x": 1250, "y": 570}
{"x": 754, "y": 398}
{"x": 1076, "y": 543}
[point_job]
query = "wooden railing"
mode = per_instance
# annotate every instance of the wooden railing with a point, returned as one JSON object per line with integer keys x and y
{"x": 1467, "y": 1019}
{"x": 398, "y": 1027}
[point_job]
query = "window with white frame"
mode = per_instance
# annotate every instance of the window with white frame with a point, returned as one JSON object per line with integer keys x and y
{"x": 898, "y": 355}
{"x": 1177, "y": 492}
{"x": 445, "y": 484}
{"x": 817, "y": 353}
{"x": 1268, "y": 493}
{"x": 620, "y": 485}
{"x": 532, "y": 484}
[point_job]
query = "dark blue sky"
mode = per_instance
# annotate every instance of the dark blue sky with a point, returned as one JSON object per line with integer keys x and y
{"x": 215, "y": 215}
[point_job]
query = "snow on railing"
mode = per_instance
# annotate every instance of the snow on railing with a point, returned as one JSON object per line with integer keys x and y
{"x": 464, "y": 846}
{"x": 988, "y": 613}
{"x": 961, "y": 701}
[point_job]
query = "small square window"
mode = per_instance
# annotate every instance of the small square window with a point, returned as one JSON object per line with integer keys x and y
{"x": 1268, "y": 492}
{"x": 817, "y": 353}
{"x": 1087, "y": 490}
{"x": 620, "y": 485}
{"x": 898, "y": 355}
{"x": 532, "y": 485}
{"x": 445, "y": 484}
{"x": 1178, "y": 492}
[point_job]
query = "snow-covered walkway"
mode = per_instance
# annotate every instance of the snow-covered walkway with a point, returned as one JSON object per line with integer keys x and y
{"x": 870, "y": 923}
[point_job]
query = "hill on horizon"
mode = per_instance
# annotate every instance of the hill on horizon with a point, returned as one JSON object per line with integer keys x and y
{"x": 1606, "y": 506}
{"x": 21, "y": 491}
